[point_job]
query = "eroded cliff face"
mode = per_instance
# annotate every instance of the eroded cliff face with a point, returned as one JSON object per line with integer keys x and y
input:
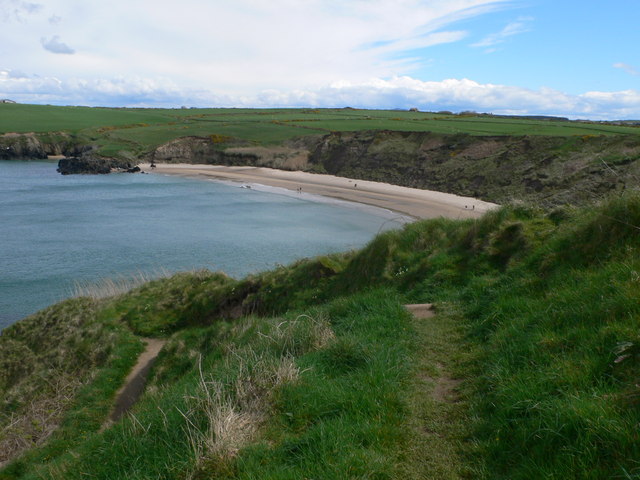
{"x": 292, "y": 155}
{"x": 546, "y": 170}
{"x": 79, "y": 158}
{"x": 21, "y": 146}
{"x": 15, "y": 146}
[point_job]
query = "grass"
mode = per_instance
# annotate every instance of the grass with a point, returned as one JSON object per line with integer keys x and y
{"x": 111, "y": 287}
{"x": 439, "y": 399}
{"x": 132, "y": 131}
{"x": 315, "y": 370}
{"x": 60, "y": 370}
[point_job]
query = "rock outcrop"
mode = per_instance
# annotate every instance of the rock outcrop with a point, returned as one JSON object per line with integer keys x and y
{"x": 15, "y": 146}
{"x": 92, "y": 164}
{"x": 31, "y": 146}
{"x": 292, "y": 155}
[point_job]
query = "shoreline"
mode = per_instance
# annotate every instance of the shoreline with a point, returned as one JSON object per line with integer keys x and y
{"x": 413, "y": 202}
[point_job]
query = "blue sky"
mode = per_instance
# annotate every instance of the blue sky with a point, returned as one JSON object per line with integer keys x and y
{"x": 563, "y": 57}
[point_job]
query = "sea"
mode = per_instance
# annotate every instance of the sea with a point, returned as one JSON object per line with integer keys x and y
{"x": 58, "y": 232}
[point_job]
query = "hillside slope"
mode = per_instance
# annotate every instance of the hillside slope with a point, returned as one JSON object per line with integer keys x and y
{"x": 315, "y": 370}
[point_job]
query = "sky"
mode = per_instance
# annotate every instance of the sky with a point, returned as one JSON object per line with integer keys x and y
{"x": 578, "y": 59}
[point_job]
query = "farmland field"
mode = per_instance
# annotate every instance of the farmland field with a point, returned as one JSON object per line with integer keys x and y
{"x": 138, "y": 130}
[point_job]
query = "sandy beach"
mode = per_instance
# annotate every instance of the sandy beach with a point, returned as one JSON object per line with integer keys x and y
{"x": 413, "y": 202}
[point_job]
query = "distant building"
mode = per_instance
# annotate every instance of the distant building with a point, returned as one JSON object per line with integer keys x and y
{"x": 6, "y": 100}
{"x": 414, "y": 109}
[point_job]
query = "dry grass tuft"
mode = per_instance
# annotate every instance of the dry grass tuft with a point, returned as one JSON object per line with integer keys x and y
{"x": 111, "y": 287}
{"x": 235, "y": 408}
{"x": 295, "y": 337}
{"x": 38, "y": 419}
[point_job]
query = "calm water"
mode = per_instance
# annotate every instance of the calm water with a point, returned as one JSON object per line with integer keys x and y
{"x": 57, "y": 230}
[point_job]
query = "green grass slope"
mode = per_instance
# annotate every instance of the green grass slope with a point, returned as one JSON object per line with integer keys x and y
{"x": 315, "y": 370}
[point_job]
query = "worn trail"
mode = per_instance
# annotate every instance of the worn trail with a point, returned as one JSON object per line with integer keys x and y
{"x": 439, "y": 410}
{"x": 135, "y": 382}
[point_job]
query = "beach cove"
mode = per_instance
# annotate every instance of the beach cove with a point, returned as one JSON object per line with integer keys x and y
{"x": 414, "y": 202}
{"x": 62, "y": 230}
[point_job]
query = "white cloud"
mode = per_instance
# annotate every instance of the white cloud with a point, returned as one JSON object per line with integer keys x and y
{"x": 398, "y": 92}
{"x": 54, "y": 45}
{"x": 521, "y": 25}
{"x": 630, "y": 69}
{"x": 241, "y": 46}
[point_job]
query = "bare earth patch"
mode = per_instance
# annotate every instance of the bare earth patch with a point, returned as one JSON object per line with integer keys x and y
{"x": 421, "y": 310}
{"x": 135, "y": 382}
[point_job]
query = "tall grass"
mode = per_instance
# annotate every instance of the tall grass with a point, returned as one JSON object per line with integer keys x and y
{"x": 114, "y": 286}
{"x": 58, "y": 371}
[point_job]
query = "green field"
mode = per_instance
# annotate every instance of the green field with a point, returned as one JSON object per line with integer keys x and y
{"x": 140, "y": 130}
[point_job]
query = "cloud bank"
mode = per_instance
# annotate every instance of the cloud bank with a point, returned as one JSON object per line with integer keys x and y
{"x": 239, "y": 47}
{"x": 397, "y": 92}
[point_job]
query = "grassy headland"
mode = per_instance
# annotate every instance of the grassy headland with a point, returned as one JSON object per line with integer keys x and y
{"x": 315, "y": 370}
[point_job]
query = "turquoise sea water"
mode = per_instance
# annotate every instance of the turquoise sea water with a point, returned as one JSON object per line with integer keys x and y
{"x": 58, "y": 230}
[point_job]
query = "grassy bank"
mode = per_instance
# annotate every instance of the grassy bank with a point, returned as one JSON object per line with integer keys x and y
{"x": 315, "y": 370}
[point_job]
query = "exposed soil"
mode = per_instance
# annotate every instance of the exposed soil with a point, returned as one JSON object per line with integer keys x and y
{"x": 135, "y": 382}
{"x": 421, "y": 310}
{"x": 444, "y": 387}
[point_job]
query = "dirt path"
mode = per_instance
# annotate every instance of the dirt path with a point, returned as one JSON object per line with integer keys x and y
{"x": 439, "y": 413}
{"x": 135, "y": 382}
{"x": 421, "y": 310}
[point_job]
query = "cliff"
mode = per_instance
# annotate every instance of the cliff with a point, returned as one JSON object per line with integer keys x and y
{"x": 15, "y": 146}
{"x": 546, "y": 170}
{"x": 217, "y": 150}
{"x": 80, "y": 158}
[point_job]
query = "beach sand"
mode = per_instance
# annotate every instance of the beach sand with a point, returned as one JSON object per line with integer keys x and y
{"x": 413, "y": 202}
